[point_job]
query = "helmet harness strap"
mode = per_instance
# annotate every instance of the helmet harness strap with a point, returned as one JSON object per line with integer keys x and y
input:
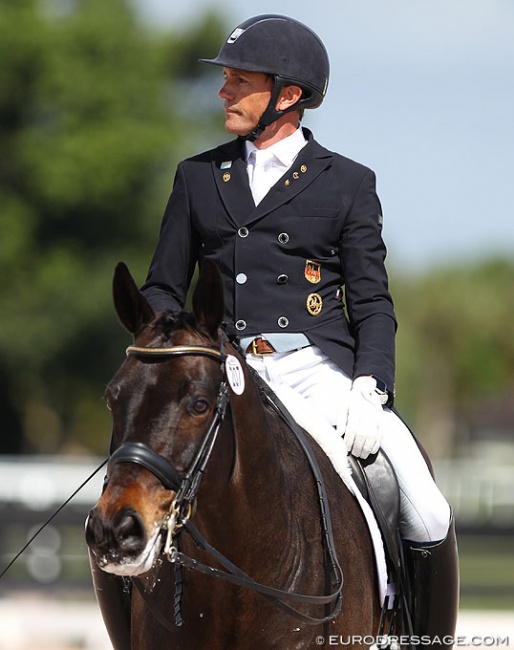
{"x": 271, "y": 114}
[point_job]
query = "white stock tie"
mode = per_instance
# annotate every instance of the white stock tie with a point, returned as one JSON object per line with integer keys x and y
{"x": 260, "y": 162}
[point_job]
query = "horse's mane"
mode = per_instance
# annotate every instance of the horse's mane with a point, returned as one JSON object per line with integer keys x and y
{"x": 171, "y": 321}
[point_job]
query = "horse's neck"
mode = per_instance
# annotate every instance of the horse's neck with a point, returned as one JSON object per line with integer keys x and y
{"x": 261, "y": 499}
{"x": 259, "y": 458}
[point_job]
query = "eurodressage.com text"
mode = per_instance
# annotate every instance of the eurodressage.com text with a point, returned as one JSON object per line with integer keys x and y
{"x": 392, "y": 641}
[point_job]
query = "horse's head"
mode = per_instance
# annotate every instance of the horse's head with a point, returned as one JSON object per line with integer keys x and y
{"x": 165, "y": 403}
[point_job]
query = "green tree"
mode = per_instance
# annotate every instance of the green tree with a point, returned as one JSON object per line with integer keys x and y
{"x": 95, "y": 111}
{"x": 455, "y": 349}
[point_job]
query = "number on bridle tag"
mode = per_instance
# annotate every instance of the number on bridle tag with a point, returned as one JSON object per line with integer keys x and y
{"x": 235, "y": 375}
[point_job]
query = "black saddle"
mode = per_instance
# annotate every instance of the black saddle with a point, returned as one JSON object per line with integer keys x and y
{"x": 376, "y": 479}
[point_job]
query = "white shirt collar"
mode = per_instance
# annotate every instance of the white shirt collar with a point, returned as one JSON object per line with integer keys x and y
{"x": 284, "y": 150}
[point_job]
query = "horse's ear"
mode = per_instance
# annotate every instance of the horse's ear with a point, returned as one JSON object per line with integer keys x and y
{"x": 208, "y": 305}
{"x": 132, "y": 308}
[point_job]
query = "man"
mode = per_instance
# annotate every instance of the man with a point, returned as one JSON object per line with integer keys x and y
{"x": 288, "y": 224}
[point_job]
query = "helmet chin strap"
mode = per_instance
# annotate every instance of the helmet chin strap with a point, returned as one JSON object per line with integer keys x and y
{"x": 271, "y": 114}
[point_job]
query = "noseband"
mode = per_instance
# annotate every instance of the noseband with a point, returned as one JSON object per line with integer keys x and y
{"x": 186, "y": 486}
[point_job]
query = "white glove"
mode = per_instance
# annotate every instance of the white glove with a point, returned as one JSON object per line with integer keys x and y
{"x": 363, "y": 434}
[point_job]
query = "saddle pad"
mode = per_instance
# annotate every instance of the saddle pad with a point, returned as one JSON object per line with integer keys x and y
{"x": 333, "y": 446}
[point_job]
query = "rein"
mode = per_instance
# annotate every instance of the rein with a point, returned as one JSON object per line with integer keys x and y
{"x": 186, "y": 486}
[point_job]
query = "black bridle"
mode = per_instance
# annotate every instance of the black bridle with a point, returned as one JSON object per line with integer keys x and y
{"x": 186, "y": 486}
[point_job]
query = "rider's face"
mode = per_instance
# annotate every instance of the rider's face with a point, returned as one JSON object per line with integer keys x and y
{"x": 246, "y": 96}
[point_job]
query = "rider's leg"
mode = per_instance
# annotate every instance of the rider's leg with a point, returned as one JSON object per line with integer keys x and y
{"x": 428, "y": 531}
{"x": 426, "y": 522}
{"x": 434, "y": 578}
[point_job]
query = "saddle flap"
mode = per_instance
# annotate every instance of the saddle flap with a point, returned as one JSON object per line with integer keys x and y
{"x": 376, "y": 479}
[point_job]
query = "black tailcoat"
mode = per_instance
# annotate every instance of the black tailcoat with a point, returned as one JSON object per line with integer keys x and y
{"x": 284, "y": 261}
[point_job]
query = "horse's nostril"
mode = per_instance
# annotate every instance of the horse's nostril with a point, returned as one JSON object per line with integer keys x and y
{"x": 130, "y": 533}
{"x": 95, "y": 532}
{"x": 114, "y": 539}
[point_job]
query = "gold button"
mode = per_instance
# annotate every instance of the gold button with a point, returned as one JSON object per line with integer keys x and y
{"x": 296, "y": 175}
{"x": 303, "y": 169}
{"x": 226, "y": 177}
{"x": 287, "y": 183}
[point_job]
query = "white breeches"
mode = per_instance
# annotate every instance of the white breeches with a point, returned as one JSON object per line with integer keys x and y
{"x": 424, "y": 512}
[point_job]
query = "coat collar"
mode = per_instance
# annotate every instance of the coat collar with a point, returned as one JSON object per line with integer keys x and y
{"x": 229, "y": 168}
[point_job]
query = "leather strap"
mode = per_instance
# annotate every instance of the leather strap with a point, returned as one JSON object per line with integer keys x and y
{"x": 141, "y": 454}
{"x": 234, "y": 575}
{"x": 260, "y": 347}
{"x": 241, "y": 579}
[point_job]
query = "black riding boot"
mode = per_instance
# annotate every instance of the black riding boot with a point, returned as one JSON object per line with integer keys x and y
{"x": 114, "y": 603}
{"x": 434, "y": 582}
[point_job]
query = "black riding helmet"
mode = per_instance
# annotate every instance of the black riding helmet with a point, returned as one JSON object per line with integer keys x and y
{"x": 282, "y": 47}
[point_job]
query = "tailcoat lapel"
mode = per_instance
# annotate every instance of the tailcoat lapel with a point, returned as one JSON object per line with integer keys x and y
{"x": 232, "y": 181}
{"x": 310, "y": 163}
{"x": 234, "y": 188}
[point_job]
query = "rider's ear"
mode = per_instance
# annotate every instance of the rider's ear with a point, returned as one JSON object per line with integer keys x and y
{"x": 208, "y": 306}
{"x": 132, "y": 308}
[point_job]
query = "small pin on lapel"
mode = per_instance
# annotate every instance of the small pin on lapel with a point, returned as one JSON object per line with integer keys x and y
{"x": 227, "y": 164}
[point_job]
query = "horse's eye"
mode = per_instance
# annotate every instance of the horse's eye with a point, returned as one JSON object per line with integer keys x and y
{"x": 200, "y": 406}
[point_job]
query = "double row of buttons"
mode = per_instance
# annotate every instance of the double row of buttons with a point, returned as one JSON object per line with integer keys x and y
{"x": 241, "y": 278}
{"x": 282, "y": 322}
{"x": 283, "y": 238}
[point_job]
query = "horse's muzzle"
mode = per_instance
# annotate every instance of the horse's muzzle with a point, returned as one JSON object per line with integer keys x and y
{"x": 121, "y": 545}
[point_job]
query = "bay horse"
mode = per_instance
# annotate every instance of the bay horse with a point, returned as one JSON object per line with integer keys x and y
{"x": 212, "y": 518}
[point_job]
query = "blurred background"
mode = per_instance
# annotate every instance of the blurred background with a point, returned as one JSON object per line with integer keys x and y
{"x": 99, "y": 101}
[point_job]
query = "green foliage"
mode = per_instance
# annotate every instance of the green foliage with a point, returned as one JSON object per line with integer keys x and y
{"x": 93, "y": 118}
{"x": 95, "y": 111}
{"x": 455, "y": 348}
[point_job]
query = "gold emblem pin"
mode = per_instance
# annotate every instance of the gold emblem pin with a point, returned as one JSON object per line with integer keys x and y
{"x": 314, "y": 304}
{"x": 226, "y": 177}
{"x": 287, "y": 183}
{"x": 312, "y": 271}
{"x": 296, "y": 175}
{"x": 303, "y": 169}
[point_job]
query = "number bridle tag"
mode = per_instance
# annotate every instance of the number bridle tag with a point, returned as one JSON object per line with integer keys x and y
{"x": 235, "y": 374}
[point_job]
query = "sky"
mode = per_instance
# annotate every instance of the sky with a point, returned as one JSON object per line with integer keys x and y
{"x": 421, "y": 91}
